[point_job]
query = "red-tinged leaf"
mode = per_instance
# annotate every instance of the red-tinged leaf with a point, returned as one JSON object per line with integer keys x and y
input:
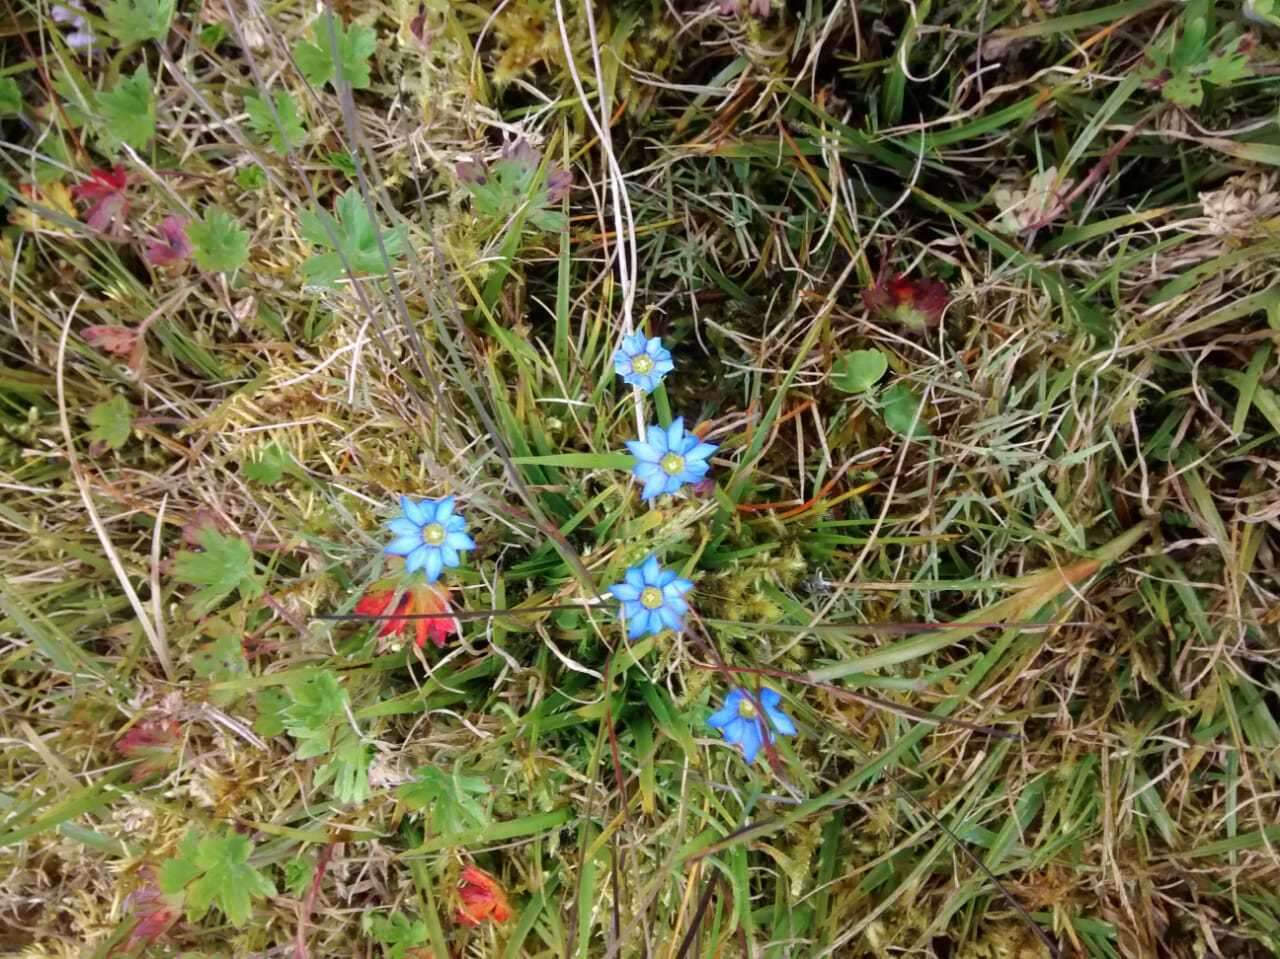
{"x": 172, "y": 246}
{"x": 913, "y": 303}
{"x": 198, "y": 522}
{"x": 117, "y": 340}
{"x": 155, "y": 913}
{"x": 155, "y": 743}
{"x": 105, "y": 192}
{"x": 481, "y": 897}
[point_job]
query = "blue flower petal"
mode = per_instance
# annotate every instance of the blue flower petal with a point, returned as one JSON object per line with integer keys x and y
{"x": 450, "y": 555}
{"x": 459, "y": 541}
{"x": 415, "y": 511}
{"x": 646, "y": 471}
{"x": 724, "y": 715}
{"x": 675, "y": 434}
{"x": 769, "y": 698}
{"x": 656, "y": 437}
{"x": 644, "y": 452}
{"x": 651, "y": 570}
{"x": 680, "y": 586}
{"x": 664, "y": 577}
{"x": 635, "y": 626}
{"x": 433, "y": 565}
{"x": 654, "y": 486}
{"x": 625, "y": 591}
{"x": 403, "y": 526}
{"x": 455, "y": 524}
{"x": 444, "y": 510}
{"x": 750, "y": 740}
{"x": 780, "y": 721}
{"x": 701, "y": 451}
{"x": 670, "y": 618}
{"x": 635, "y": 577}
{"x": 414, "y": 560}
{"x": 403, "y": 545}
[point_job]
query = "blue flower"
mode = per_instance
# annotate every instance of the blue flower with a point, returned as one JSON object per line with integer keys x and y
{"x": 670, "y": 458}
{"x": 739, "y": 720}
{"x": 642, "y": 363}
{"x": 652, "y": 599}
{"x": 429, "y": 535}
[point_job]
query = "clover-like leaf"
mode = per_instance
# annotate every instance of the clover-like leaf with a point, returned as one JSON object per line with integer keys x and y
{"x": 858, "y": 370}
{"x": 903, "y": 413}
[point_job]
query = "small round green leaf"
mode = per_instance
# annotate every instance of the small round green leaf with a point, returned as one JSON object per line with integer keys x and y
{"x": 858, "y": 371}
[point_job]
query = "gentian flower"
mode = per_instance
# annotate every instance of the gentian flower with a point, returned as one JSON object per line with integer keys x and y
{"x": 652, "y": 599}
{"x": 429, "y": 535}
{"x": 417, "y": 598}
{"x": 642, "y": 363}
{"x": 739, "y": 720}
{"x": 481, "y": 897}
{"x": 670, "y": 458}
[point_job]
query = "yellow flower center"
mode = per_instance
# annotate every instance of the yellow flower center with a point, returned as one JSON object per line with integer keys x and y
{"x": 433, "y": 534}
{"x": 673, "y": 464}
{"x": 747, "y": 709}
{"x": 651, "y": 597}
{"x": 642, "y": 363}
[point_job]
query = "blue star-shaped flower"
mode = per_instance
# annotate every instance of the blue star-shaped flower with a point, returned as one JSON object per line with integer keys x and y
{"x": 642, "y": 363}
{"x": 429, "y": 535}
{"x": 739, "y": 720}
{"x": 652, "y": 599}
{"x": 670, "y": 458}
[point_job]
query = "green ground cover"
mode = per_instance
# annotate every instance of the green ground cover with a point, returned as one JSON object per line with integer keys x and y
{"x": 979, "y": 304}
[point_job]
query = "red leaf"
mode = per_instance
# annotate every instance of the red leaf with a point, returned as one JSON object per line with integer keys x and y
{"x": 172, "y": 246}
{"x": 482, "y": 897}
{"x": 155, "y": 742}
{"x": 107, "y": 201}
{"x": 913, "y": 303}
{"x": 117, "y": 340}
{"x": 156, "y": 912}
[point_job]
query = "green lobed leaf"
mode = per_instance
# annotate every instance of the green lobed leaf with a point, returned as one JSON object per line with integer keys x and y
{"x": 111, "y": 421}
{"x": 218, "y": 242}
{"x": 136, "y": 21}
{"x": 447, "y": 799}
{"x": 282, "y": 130}
{"x": 356, "y": 239}
{"x": 355, "y": 45}
{"x": 128, "y": 111}
{"x": 224, "y": 566}
{"x": 10, "y": 97}
{"x": 270, "y": 466}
